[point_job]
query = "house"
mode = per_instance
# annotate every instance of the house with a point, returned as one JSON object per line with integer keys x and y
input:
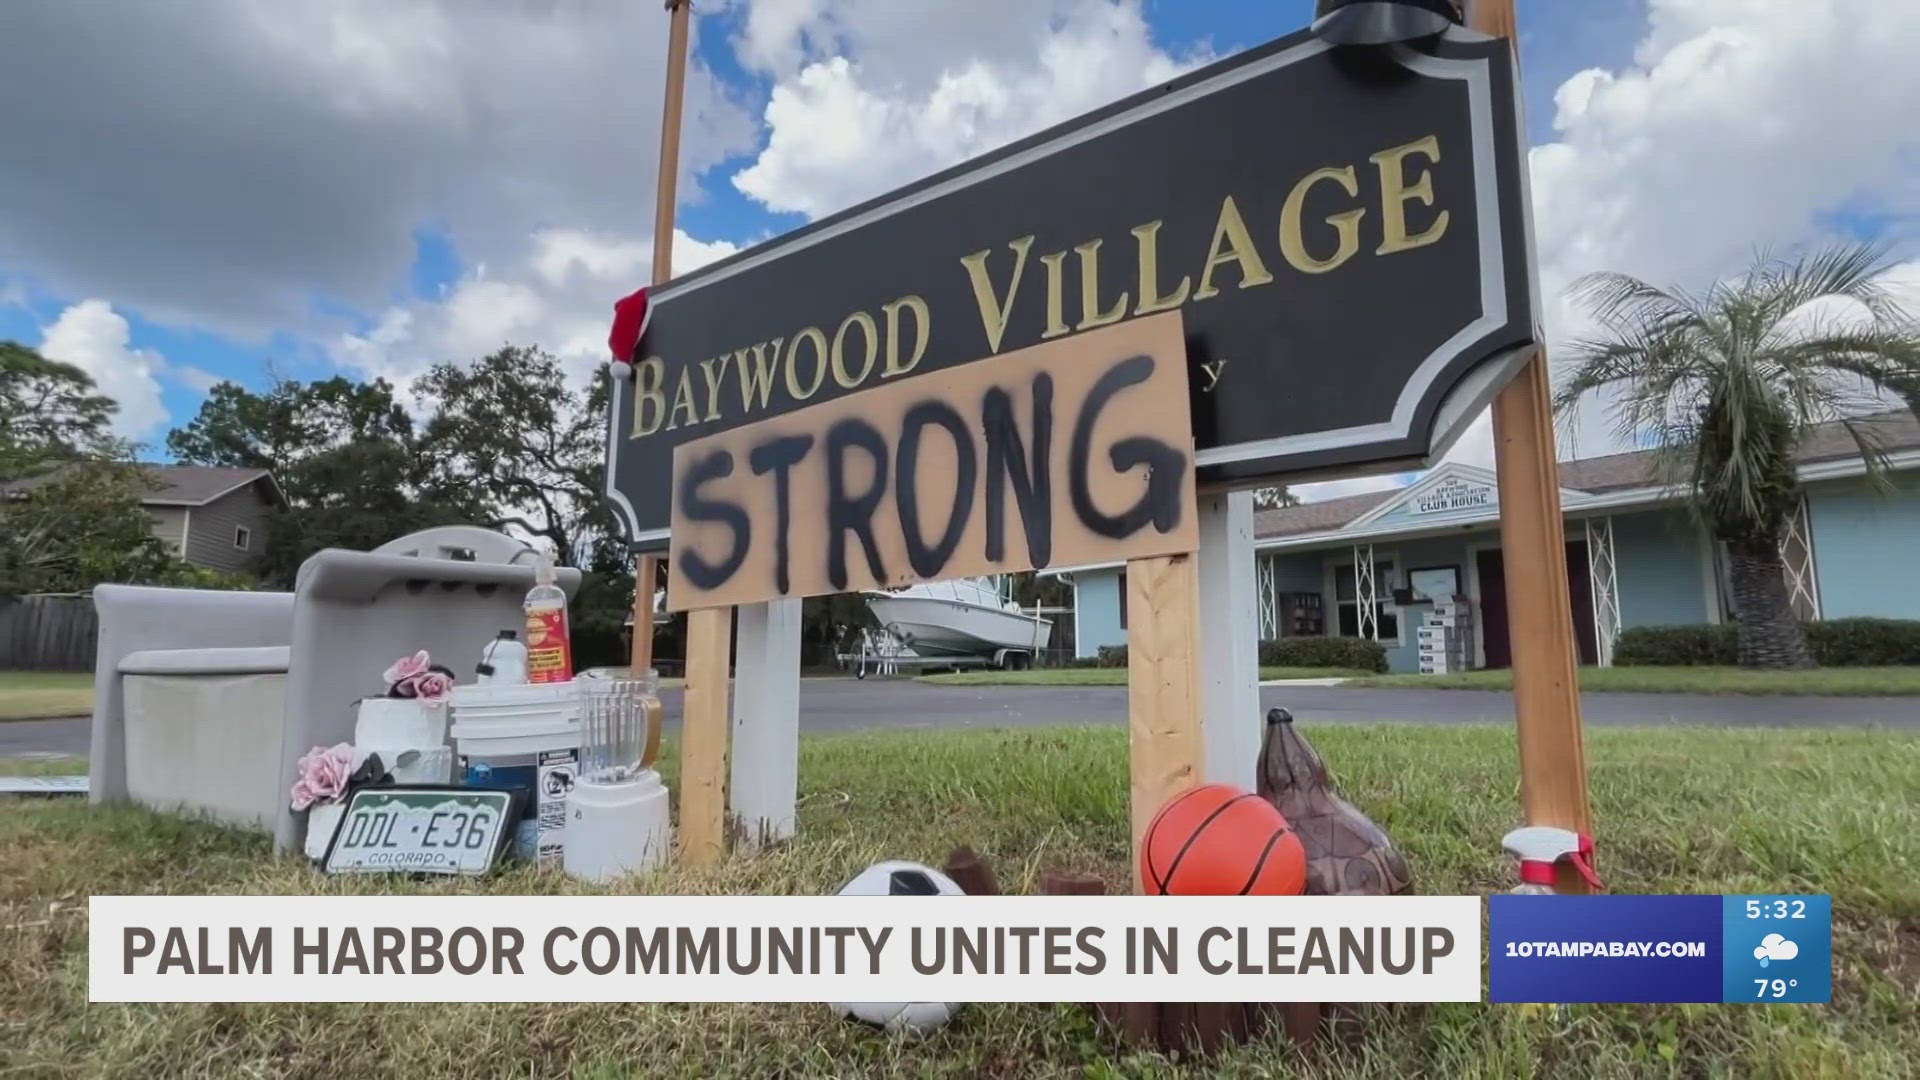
{"x": 213, "y": 517}
{"x": 1419, "y": 568}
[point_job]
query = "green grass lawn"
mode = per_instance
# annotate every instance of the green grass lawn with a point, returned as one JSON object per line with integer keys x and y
{"x": 30, "y": 695}
{"x": 1842, "y": 682}
{"x": 1680, "y": 810}
{"x": 60, "y": 765}
{"x": 1104, "y": 676}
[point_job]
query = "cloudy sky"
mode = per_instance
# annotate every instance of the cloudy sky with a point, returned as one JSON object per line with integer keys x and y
{"x": 233, "y": 189}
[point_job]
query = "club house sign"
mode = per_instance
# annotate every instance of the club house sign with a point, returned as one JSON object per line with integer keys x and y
{"x": 1453, "y": 495}
{"x": 1343, "y": 236}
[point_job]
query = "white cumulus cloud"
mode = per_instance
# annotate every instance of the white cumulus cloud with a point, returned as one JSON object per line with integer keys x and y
{"x": 870, "y": 95}
{"x": 559, "y": 296}
{"x": 93, "y": 337}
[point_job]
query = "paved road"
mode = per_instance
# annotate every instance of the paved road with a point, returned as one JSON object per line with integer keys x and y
{"x": 849, "y": 705}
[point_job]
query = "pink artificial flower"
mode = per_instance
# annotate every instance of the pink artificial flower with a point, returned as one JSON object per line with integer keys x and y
{"x": 432, "y": 686}
{"x": 406, "y": 668}
{"x": 321, "y": 775}
{"x": 303, "y": 795}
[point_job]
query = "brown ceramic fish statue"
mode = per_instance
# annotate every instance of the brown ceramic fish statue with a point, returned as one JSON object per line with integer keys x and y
{"x": 1347, "y": 854}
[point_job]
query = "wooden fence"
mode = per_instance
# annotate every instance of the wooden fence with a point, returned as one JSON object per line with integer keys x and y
{"x": 48, "y": 633}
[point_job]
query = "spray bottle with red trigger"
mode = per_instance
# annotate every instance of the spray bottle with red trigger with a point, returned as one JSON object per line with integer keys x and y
{"x": 1541, "y": 847}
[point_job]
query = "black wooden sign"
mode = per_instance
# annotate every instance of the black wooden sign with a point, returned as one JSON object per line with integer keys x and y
{"x": 1343, "y": 231}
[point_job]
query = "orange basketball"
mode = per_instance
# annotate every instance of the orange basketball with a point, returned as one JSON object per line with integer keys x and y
{"x": 1217, "y": 840}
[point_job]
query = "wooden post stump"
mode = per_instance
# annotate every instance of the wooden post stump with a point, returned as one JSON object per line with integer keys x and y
{"x": 969, "y": 871}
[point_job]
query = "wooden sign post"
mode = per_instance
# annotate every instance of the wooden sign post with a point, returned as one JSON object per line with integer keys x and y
{"x": 1163, "y": 687}
{"x": 1546, "y": 687}
{"x": 665, "y": 193}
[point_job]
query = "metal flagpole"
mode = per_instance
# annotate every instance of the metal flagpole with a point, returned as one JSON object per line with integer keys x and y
{"x": 1546, "y": 689}
{"x": 646, "y": 567}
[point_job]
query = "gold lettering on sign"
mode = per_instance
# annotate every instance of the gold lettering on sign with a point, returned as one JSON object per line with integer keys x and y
{"x": 1232, "y": 228}
{"x": 1056, "y": 286}
{"x": 756, "y": 382}
{"x": 648, "y": 377}
{"x": 1319, "y": 231}
{"x": 715, "y": 371}
{"x": 1090, "y": 315}
{"x": 993, "y": 311}
{"x": 1347, "y": 223}
{"x": 683, "y": 402}
{"x": 922, "y": 321}
{"x": 819, "y": 339}
{"x": 1395, "y": 194}
{"x": 868, "y": 333}
{"x": 1148, "y": 237}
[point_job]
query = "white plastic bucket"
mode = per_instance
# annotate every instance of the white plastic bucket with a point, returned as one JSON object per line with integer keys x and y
{"x": 516, "y": 701}
{"x": 527, "y": 737}
{"x": 512, "y": 738}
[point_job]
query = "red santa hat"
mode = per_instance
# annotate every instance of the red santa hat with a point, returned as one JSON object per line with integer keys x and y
{"x": 630, "y": 317}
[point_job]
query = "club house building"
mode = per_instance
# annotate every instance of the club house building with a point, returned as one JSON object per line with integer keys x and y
{"x": 1419, "y": 568}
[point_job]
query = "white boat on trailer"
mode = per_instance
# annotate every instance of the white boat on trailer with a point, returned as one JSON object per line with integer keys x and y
{"x": 961, "y": 622}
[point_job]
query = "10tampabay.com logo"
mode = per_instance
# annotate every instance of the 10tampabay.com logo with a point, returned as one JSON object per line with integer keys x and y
{"x": 1660, "y": 948}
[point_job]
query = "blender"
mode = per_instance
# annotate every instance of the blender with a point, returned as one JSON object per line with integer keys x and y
{"x": 617, "y": 812}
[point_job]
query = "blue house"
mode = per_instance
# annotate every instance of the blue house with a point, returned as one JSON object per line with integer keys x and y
{"x": 1419, "y": 568}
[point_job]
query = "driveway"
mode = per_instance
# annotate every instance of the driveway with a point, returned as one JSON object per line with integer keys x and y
{"x": 858, "y": 705}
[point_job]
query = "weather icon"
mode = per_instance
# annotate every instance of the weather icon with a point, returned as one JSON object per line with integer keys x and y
{"x": 1774, "y": 947}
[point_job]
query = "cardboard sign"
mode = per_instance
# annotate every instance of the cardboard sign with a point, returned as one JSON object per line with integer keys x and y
{"x": 1344, "y": 231}
{"x": 1066, "y": 453}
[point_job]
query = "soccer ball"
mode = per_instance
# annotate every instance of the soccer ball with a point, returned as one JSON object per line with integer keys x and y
{"x": 898, "y": 878}
{"x": 910, "y": 1017}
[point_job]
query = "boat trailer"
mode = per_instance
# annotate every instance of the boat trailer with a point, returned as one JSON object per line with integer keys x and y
{"x": 882, "y": 651}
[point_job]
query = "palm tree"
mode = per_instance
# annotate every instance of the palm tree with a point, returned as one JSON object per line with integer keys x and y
{"x": 1726, "y": 383}
{"x": 1273, "y": 498}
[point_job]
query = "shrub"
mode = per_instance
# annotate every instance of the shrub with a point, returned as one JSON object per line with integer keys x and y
{"x": 1322, "y": 652}
{"x": 1864, "y": 642}
{"x": 1358, "y": 654}
{"x": 1834, "y": 643}
{"x": 1677, "y": 646}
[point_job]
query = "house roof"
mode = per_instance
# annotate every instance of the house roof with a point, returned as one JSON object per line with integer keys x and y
{"x": 1897, "y": 430}
{"x": 178, "y": 485}
{"x": 1318, "y": 516}
{"x": 198, "y": 485}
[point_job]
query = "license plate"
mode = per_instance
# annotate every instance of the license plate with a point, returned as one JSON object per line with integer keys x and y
{"x": 422, "y": 830}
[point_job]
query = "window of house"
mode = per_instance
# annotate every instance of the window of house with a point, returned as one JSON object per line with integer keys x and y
{"x": 242, "y": 537}
{"x": 1123, "y": 599}
{"x": 1346, "y": 600}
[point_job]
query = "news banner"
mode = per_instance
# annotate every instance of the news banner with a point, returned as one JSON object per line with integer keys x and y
{"x": 1558, "y": 949}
